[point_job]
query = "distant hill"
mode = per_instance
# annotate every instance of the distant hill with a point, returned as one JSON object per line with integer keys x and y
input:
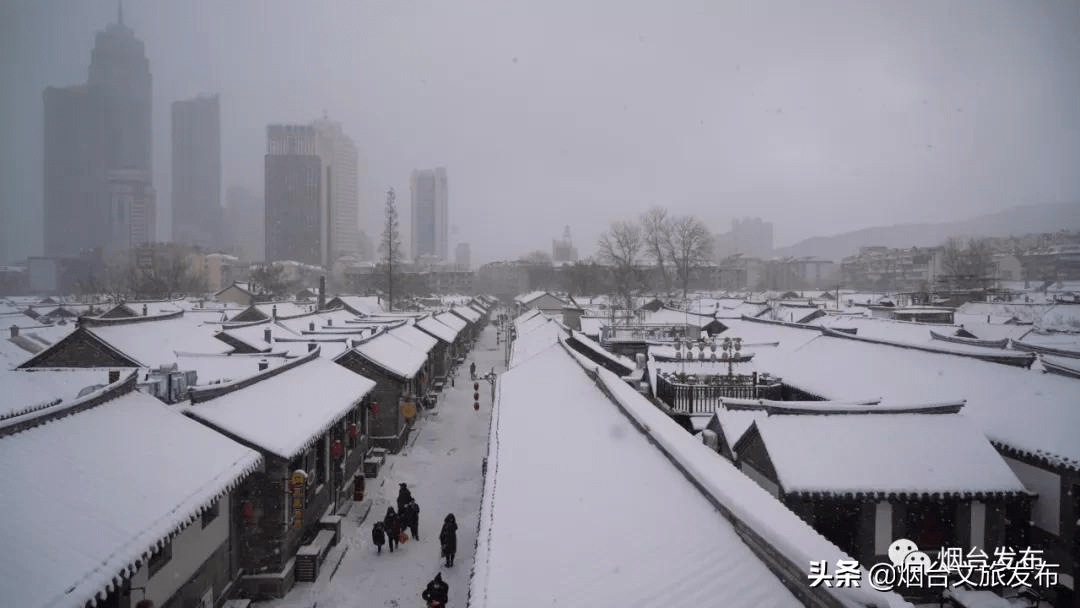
{"x": 1011, "y": 222}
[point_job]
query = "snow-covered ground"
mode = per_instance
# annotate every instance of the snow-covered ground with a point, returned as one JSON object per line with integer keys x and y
{"x": 442, "y": 466}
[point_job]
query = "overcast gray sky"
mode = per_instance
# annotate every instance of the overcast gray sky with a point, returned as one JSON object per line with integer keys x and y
{"x": 820, "y": 116}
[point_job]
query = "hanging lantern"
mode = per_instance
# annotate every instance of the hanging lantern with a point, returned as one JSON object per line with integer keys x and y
{"x": 476, "y": 396}
{"x": 374, "y": 408}
{"x": 337, "y": 449}
{"x": 353, "y": 431}
{"x": 247, "y": 508}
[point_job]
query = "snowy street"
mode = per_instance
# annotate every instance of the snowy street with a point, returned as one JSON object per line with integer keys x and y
{"x": 442, "y": 466}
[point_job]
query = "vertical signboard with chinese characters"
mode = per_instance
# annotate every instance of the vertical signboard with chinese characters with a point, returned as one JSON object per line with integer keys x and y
{"x": 297, "y": 485}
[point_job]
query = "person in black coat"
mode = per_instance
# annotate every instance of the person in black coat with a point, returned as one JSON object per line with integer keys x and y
{"x": 393, "y": 528}
{"x": 410, "y": 518}
{"x": 378, "y": 535}
{"x": 448, "y": 539}
{"x": 404, "y": 497}
{"x": 437, "y": 592}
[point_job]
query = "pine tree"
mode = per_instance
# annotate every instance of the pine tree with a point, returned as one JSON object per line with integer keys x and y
{"x": 390, "y": 245}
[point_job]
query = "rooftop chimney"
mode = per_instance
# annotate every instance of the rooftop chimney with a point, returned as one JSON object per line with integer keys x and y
{"x": 273, "y": 312}
{"x": 310, "y": 346}
{"x": 322, "y": 292}
{"x": 329, "y": 322}
{"x": 14, "y": 331}
{"x": 266, "y": 335}
{"x": 263, "y": 364}
{"x": 144, "y": 310}
{"x": 311, "y": 326}
{"x": 114, "y": 376}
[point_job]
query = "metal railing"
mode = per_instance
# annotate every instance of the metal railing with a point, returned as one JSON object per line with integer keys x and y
{"x": 686, "y": 398}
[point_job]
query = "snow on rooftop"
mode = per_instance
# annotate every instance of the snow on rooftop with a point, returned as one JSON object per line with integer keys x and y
{"x": 666, "y": 316}
{"x": 419, "y": 340}
{"x": 285, "y": 413}
{"x": 368, "y": 305}
{"x": 529, "y": 297}
{"x": 592, "y": 326}
{"x": 633, "y": 552}
{"x": 452, "y": 321}
{"x": 438, "y": 329}
{"x": 736, "y": 493}
{"x": 393, "y": 355}
{"x": 535, "y": 340}
{"x": 94, "y": 492}
{"x": 596, "y": 348}
{"x": 913, "y": 453}
{"x": 153, "y": 343}
{"x": 24, "y": 389}
{"x": 467, "y": 313}
{"x": 1021, "y": 408}
{"x": 227, "y": 368}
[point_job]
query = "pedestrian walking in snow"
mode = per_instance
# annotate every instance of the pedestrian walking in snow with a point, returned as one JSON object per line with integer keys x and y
{"x": 393, "y": 528}
{"x": 404, "y": 497}
{"x": 411, "y": 518}
{"x": 378, "y": 535}
{"x": 448, "y": 539}
{"x": 472, "y": 370}
{"x": 437, "y": 592}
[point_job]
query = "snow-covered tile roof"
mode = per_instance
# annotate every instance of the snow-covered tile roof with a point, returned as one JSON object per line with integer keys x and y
{"x": 227, "y": 368}
{"x": 452, "y": 321}
{"x": 467, "y": 313}
{"x": 367, "y": 305}
{"x": 438, "y": 329}
{"x": 1023, "y": 409}
{"x": 628, "y": 557}
{"x": 622, "y": 360}
{"x": 285, "y": 309}
{"x": 31, "y": 340}
{"x": 535, "y": 340}
{"x": 24, "y": 389}
{"x": 697, "y": 558}
{"x": 254, "y": 336}
{"x": 153, "y": 343}
{"x": 419, "y": 340}
{"x": 393, "y": 354}
{"x": 913, "y": 453}
{"x": 96, "y": 491}
{"x": 283, "y": 414}
{"x": 532, "y": 313}
{"x": 666, "y": 316}
{"x": 529, "y": 297}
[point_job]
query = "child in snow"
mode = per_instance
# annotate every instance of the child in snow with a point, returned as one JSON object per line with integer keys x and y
{"x": 378, "y": 535}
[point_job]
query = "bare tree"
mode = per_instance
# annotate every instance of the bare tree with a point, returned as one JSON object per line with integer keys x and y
{"x": 656, "y": 233}
{"x": 620, "y": 248}
{"x": 267, "y": 279}
{"x": 536, "y": 258}
{"x": 390, "y": 245}
{"x": 689, "y": 247}
{"x": 966, "y": 267}
{"x": 164, "y": 270}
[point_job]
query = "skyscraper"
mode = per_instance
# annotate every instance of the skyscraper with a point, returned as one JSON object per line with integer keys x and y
{"x": 90, "y": 131}
{"x": 312, "y": 204}
{"x": 295, "y": 226}
{"x": 340, "y": 165}
{"x": 429, "y": 213}
{"x": 463, "y": 256}
{"x": 196, "y": 172}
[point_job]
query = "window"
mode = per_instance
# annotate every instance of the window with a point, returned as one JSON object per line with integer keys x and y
{"x": 159, "y": 559}
{"x": 211, "y": 513}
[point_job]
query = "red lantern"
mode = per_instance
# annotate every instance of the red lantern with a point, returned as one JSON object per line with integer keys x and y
{"x": 248, "y": 509}
{"x": 353, "y": 432}
{"x": 476, "y": 396}
{"x": 476, "y": 386}
{"x": 374, "y": 408}
{"x": 337, "y": 449}
{"x": 476, "y": 405}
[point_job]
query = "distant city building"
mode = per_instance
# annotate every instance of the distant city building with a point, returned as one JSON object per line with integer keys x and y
{"x": 133, "y": 217}
{"x": 750, "y": 237}
{"x": 196, "y": 173}
{"x": 462, "y": 256}
{"x": 89, "y": 131}
{"x": 429, "y": 213}
{"x": 340, "y": 176}
{"x": 296, "y": 227}
{"x": 885, "y": 269}
{"x": 312, "y": 204}
{"x": 245, "y": 224}
{"x": 563, "y": 250}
